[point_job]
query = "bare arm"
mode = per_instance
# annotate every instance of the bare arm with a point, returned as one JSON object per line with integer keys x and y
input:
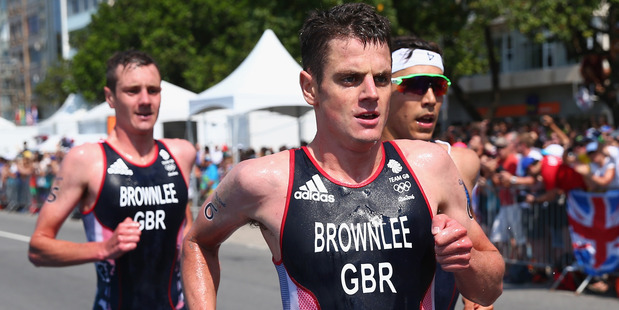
{"x": 550, "y": 123}
{"x": 68, "y": 189}
{"x": 218, "y": 218}
{"x": 461, "y": 245}
{"x": 602, "y": 181}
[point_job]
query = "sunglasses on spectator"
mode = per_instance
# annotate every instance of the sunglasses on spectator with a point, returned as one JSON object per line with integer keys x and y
{"x": 419, "y": 84}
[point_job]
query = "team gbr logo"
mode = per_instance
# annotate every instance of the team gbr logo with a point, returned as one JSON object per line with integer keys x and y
{"x": 168, "y": 163}
{"x": 400, "y": 182}
{"x": 314, "y": 190}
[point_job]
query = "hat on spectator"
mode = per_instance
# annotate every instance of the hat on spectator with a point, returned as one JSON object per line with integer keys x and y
{"x": 606, "y": 128}
{"x": 554, "y": 150}
{"x": 592, "y": 133}
{"x": 581, "y": 140}
{"x": 592, "y": 147}
{"x": 500, "y": 142}
{"x": 535, "y": 154}
{"x": 459, "y": 144}
{"x": 526, "y": 162}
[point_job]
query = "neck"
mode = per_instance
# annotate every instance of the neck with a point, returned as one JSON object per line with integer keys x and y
{"x": 387, "y": 135}
{"x": 136, "y": 147}
{"x": 349, "y": 166}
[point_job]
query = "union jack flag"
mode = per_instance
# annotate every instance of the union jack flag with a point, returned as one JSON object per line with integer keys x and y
{"x": 594, "y": 228}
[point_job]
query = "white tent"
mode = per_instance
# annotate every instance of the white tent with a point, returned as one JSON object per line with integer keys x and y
{"x": 5, "y": 124}
{"x": 268, "y": 80}
{"x": 12, "y": 138}
{"x": 174, "y": 108}
{"x": 64, "y": 120}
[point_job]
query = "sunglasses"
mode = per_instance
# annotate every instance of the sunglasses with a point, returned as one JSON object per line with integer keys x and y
{"x": 418, "y": 84}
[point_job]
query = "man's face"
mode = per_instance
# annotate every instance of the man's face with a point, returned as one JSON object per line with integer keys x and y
{"x": 413, "y": 116}
{"x": 351, "y": 104}
{"x": 137, "y": 97}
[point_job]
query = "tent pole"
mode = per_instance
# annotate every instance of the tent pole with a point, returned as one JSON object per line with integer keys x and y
{"x": 189, "y": 132}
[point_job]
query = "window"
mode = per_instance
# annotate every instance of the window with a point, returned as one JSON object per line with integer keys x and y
{"x": 73, "y": 7}
{"x": 33, "y": 25}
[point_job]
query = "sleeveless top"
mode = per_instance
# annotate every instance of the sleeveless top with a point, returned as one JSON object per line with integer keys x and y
{"x": 154, "y": 195}
{"x": 368, "y": 246}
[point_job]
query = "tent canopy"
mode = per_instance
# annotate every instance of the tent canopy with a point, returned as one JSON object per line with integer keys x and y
{"x": 268, "y": 79}
{"x": 64, "y": 120}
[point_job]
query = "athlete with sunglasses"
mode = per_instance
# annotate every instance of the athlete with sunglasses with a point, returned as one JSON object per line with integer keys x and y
{"x": 418, "y": 90}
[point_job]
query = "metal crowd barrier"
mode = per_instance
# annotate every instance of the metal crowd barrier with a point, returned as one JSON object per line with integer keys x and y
{"x": 547, "y": 243}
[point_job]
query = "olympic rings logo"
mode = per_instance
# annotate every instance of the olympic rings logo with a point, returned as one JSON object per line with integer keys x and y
{"x": 402, "y": 187}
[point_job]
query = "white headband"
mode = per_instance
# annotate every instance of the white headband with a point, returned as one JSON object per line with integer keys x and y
{"x": 419, "y": 57}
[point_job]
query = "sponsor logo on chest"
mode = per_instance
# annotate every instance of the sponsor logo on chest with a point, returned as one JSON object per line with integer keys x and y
{"x": 314, "y": 190}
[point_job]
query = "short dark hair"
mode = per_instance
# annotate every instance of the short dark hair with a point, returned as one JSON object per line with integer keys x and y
{"x": 125, "y": 58}
{"x": 349, "y": 20}
{"x": 413, "y": 43}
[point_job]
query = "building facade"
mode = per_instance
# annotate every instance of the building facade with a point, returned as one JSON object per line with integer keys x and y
{"x": 34, "y": 35}
{"x": 535, "y": 79}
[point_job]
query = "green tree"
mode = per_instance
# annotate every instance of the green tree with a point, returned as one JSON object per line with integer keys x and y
{"x": 56, "y": 86}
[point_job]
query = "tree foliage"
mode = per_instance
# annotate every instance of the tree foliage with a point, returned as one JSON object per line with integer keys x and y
{"x": 197, "y": 43}
{"x": 57, "y": 85}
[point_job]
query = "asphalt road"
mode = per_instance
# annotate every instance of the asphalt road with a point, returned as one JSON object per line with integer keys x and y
{"x": 249, "y": 280}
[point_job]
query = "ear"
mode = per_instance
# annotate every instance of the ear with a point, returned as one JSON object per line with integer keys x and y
{"x": 309, "y": 87}
{"x": 109, "y": 96}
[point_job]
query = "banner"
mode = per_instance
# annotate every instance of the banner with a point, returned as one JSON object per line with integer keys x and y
{"x": 594, "y": 228}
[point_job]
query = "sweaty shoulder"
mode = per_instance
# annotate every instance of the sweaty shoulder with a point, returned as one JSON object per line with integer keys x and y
{"x": 83, "y": 155}
{"x": 258, "y": 188}
{"x": 422, "y": 152}
{"x": 263, "y": 173}
{"x": 82, "y": 165}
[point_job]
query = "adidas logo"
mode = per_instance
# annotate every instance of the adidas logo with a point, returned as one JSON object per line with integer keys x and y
{"x": 119, "y": 167}
{"x": 314, "y": 190}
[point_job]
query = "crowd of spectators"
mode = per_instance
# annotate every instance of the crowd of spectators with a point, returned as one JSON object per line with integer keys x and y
{"x": 26, "y": 179}
{"x": 526, "y": 170}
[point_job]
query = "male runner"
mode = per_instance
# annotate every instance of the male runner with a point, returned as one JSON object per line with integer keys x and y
{"x": 132, "y": 192}
{"x": 352, "y": 223}
{"x": 416, "y": 100}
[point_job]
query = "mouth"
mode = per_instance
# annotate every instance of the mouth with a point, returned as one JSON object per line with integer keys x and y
{"x": 426, "y": 119}
{"x": 144, "y": 114}
{"x": 367, "y": 115}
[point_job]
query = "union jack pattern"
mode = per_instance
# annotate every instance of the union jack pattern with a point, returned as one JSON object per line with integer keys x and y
{"x": 594, "y": 228}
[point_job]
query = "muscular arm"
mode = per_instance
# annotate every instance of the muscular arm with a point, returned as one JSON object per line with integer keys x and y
{"x": 68, "y": 189}
{"x": 461, "y": 245}
{"x": 246, "y": 194}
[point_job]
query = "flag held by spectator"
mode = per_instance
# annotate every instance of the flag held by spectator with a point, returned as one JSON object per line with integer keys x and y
{"x": 594, "y": 228}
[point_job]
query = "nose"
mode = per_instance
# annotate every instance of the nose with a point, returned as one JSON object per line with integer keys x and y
{"x": 428, "y": 99}
{"x": 370, "y": 90}
{"x": 145, "y": 97}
